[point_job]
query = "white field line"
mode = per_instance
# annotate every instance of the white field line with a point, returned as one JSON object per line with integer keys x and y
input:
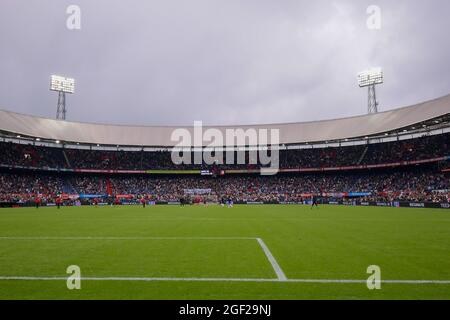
{"x": 336, "y": 281}
{"x": 127, "y": 238}
{"x": 276, "y": 267}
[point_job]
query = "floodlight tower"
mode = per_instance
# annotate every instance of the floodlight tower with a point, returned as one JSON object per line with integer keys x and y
{"x": 62, "y": 85}
{"x": 370, "y": 78}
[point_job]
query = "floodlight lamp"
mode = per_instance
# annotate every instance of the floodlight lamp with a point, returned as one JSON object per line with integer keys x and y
{"x": 370, "y": 77}
{"x": 62, "y": 84}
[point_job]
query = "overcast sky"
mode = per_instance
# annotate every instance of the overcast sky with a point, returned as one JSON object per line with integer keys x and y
{"x": 222, "y": 62}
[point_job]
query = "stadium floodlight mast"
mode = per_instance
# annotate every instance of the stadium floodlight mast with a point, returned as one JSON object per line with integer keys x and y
{"x": 62, "y": 85}
{"x": 370, "y": 78}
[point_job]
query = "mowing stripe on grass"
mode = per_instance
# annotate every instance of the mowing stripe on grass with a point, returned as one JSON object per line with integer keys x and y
{"x": 276, "y": 267}
{"x": 324, "y": 281}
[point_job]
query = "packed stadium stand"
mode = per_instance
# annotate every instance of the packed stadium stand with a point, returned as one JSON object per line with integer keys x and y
{"x": 409, "y": 185}
{"x": 427, "y": 147}
{"x": 390, "y": 157}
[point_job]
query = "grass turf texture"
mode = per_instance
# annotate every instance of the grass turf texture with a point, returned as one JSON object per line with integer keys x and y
{"x": 330, "y": 243}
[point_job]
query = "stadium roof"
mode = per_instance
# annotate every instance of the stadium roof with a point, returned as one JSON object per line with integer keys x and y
{"x": 160, "y": 136}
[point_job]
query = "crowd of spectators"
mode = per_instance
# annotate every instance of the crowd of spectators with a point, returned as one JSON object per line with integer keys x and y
{"x": 26, "y": 155}
{"x": 427, "y": 147}
{"x": 412, "y": 185}
{"x": 420, "y": 184}
{"x": 22, "y": 187}
{"x": 323, "y": 157}
{"x": 86, "y": 185}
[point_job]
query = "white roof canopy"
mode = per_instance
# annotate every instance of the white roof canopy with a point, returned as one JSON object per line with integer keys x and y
{"x": 160, "y": 136}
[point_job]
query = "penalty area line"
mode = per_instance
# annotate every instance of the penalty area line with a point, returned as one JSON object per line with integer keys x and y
{"x": 144, "y": 279}
{"x": 276, "y": 267}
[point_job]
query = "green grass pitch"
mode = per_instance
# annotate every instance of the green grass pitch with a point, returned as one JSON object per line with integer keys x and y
{"x": 191, "y": 252}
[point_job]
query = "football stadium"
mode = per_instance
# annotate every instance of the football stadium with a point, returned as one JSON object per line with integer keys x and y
{"x": 140, "y": 226}
{"x": 222, "y": 150}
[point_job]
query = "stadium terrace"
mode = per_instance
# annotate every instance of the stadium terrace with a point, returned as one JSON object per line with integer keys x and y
{"x": 214, "y": 152}
{"x": 395, "y": 157}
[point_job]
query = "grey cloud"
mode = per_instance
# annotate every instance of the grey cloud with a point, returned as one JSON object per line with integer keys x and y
{"x": 246, "y": 61}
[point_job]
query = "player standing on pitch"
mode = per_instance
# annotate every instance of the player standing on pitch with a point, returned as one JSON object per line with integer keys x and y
{"x": 37, "y": 202}
{"x": 314, "y": 202}
{"x": 58, "y": 202}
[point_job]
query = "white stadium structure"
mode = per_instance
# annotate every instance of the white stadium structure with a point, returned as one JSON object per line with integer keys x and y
{"x": 427, "y": 117}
